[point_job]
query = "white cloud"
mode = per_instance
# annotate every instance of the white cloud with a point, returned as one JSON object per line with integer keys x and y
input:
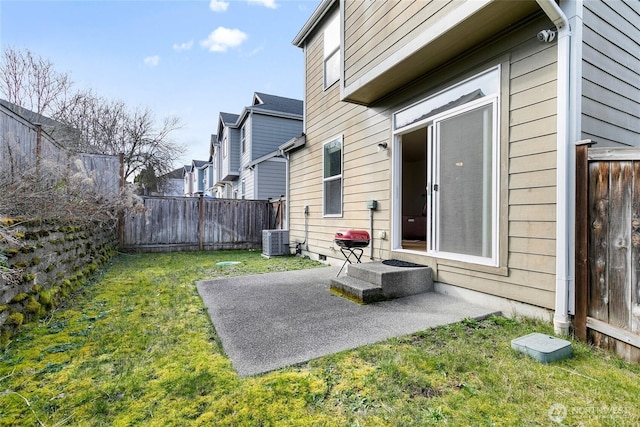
{"x": 271, "y": 4}
{"x": 152, "y": 61}
{"x": 218, "y": 5}
{"x": 183, "y": 46}
{"x": 223, "y": 38}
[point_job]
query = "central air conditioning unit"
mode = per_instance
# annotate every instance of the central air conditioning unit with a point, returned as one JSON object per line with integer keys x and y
{"x": 275, "y": 243}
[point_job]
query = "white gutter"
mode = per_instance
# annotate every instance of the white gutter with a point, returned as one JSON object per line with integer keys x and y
{"x": 564, "y": 279}
{"x": 312, "y": 22}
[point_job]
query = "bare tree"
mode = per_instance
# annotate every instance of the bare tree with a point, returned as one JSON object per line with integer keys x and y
{"x": 88, "y": 122}
{"x": 109, "y": 127}
{"x": 32, "y": 82}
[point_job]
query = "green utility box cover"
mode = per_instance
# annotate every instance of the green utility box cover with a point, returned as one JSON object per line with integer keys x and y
{"x": 543, "y": 348}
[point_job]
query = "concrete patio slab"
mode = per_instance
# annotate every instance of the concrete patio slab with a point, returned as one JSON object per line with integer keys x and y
{"x": 273, "y": 320}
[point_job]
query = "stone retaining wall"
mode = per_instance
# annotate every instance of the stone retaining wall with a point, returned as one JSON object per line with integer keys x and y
{"x": 55, "y": 260}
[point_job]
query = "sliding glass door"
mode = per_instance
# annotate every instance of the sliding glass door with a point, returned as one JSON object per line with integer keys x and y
{"x": 448, "y": 163}
{"x": 463, "y": 183}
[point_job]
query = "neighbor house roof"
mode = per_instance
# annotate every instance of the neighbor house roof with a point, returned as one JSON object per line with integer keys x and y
{"x": 174, "y": 174}
{"x": 264, "y": 158}
{"x": 229, "y": 118}
{"x": 273, "y": 105}
{"x": 200, "y": 163}
{"x": 226, "y": 119}
{"x": 263, "y": 101}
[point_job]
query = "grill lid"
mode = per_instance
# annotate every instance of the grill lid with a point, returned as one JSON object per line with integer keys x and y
{"x": 354, "y": 235}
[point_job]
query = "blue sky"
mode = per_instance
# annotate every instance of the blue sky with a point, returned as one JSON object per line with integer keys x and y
{"x": 192, "y": 58}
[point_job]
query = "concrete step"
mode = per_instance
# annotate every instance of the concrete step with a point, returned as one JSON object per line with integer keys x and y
{"x": 395, "y": 282}
{"x": 356, "y": 289}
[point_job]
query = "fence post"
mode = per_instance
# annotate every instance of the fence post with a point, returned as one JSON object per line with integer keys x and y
{"x": 582, "y": 239}
{"x": 121, "y": 214}
{"x": 201, "y": 222}
{"x": 38, "y": 152}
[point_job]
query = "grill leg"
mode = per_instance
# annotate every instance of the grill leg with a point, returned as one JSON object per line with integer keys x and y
{"x": 347, "y": 256}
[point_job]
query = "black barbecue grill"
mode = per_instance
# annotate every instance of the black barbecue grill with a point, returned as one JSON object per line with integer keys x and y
{"x": 351, "y": 243}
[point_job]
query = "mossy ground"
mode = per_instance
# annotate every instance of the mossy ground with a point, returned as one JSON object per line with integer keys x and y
{"x": 136, "y": 347}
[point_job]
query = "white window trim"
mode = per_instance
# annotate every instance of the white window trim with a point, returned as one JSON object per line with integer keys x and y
{"x": 333, "y": 178}
{"x": 243, "y": 138}
{"x": 495, "y": 149}
{"x": 493, "y": 99}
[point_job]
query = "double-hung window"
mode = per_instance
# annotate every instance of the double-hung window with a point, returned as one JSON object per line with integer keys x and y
{"x": 332, "y": 51}
{"x": 332, "y": 177}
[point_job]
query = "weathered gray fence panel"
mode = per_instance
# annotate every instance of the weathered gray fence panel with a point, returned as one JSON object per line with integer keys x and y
{"x": 23, "y": 145}
{"x": 102, "y": 169}
{"x": 189, "y": 223}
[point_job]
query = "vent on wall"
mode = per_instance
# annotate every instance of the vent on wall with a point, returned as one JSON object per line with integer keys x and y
{"x": 275, "y": 243}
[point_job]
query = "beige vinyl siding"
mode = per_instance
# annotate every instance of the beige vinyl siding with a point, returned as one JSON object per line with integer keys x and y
{"x": 528, "y": 163}
{"x": 531, "y": 186}
{"x": 611, "y": 72}
{"x": 376, "y": 29}
{"x": 532, "y": 174}
{"x": 365, "y": 175}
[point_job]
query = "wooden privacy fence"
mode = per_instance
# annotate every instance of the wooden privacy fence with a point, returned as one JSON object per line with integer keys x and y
{"x": 23, "y": 145}
{"x": 608, "y": 248}
{"x": 196, "y": 223}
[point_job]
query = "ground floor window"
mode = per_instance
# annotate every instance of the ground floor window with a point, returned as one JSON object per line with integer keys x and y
{"x": 446, "y": 189}
{"x": 332, "y": 177}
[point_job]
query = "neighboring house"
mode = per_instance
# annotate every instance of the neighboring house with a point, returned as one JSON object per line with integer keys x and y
{"x": 227, "y": 150}
{"x": 199, "y": 169}
{"x": 252, "y": 166}
{"x": 215, "y": 158}
{"x": 209, "y": 185}
{"x": 188, "y": 180}
{"x": 460, "y": 118}
{"x": 172, "y": 183}
{"x": 212, "y": 171}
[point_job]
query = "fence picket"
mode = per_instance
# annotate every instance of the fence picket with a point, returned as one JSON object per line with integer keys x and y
{"x": 189, "y": 223}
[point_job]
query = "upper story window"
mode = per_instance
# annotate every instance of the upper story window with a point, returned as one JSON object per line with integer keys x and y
{"x": 332, "y": 51}
{"x": 332, "y": 177}
{"x": 243, "y": 138}
{"x": 225, "y": 146}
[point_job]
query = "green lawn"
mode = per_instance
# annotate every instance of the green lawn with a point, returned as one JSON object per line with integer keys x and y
{"x": 136, "y": 347}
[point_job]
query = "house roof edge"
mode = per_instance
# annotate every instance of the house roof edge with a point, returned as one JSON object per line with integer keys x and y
{"x": 313, "y": 21}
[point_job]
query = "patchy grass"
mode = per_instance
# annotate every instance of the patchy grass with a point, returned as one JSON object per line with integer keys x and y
{"x": 136, "y": 347}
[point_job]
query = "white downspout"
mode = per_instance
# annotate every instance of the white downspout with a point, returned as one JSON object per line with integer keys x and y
{"x": 287, "y": 199}
{"x": 561, "y": 320}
